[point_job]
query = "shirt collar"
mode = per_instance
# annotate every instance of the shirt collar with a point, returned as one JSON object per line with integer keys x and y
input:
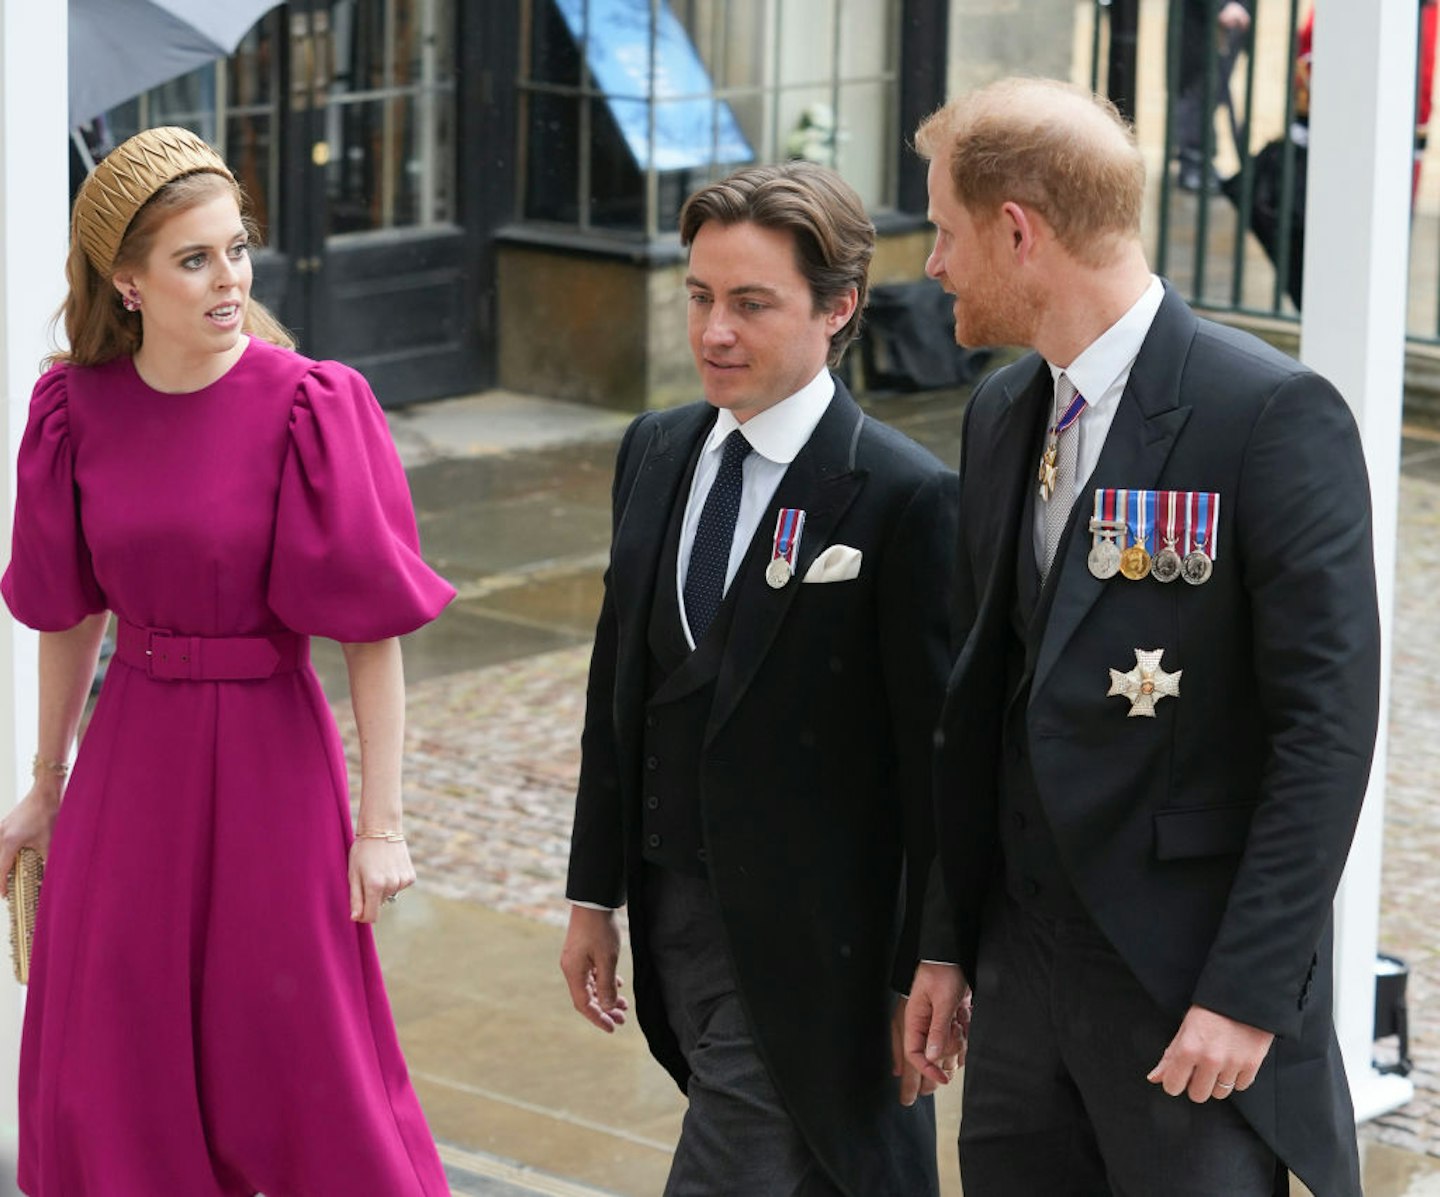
{"x": 779, "y": 433}
{"x": 1114, "y": 351}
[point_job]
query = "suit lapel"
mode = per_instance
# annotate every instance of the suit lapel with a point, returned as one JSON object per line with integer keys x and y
{"x": 640, "y": 536}
{"x": 822, "y": 481}
{"x": 1010, "y": 459}
{"x": 1147, "y": 423}
{"x": 637, "y": 550}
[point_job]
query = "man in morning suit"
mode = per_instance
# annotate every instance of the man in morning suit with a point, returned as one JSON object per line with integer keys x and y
{"x": 1158, "y": 732}
{"x": 768, "y": 668}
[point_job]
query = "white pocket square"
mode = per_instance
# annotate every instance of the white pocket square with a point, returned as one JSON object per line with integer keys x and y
{"x": 838, "y": 563}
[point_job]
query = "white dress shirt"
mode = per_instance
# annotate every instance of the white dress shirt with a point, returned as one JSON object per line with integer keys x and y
{"x": 1100, "y": 373}
{"x": 776, "y": 435}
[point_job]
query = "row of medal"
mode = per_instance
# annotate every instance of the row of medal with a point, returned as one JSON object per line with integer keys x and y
{"x": 1161, "y": 534}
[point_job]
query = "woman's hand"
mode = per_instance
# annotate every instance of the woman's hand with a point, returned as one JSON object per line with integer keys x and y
{"x": 379, "y": 869}
{"x": 28, "y": 826}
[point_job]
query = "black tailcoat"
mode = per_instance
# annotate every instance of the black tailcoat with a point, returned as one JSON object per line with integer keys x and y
{"x": 814, "y": 784}
{"x": 1207, "y": 842}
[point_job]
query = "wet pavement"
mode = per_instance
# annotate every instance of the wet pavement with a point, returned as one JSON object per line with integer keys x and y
{"x": 524, "y": 1095}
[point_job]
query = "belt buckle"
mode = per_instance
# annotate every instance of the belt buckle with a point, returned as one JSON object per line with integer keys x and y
{"x": 168, "y": 657}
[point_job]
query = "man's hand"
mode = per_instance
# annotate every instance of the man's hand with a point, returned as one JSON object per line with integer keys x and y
{"x": 936, "y": 1022}
{"x": 592, "y": 948}
{"x": 1234, "y": 16}
{"x": 1211, "y": 1056}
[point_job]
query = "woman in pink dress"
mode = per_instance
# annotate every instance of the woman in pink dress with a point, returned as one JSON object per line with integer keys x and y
{"x": 206, "y": 1014}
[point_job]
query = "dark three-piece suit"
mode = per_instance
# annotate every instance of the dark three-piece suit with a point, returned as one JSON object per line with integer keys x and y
{"x": 786, "y": 760}
{"x": 1204, "y": 844}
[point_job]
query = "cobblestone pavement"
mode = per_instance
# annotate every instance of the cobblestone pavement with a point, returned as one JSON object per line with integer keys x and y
{"x": 491, "y": 758}
{"x": 493, "y": 753}
{"x": 1410, "y": 884}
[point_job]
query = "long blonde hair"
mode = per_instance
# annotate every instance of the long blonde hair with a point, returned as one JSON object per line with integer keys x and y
{"x": 97, "y": 326}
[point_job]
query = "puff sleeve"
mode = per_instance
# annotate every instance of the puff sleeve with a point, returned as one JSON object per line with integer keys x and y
{"x": 50, "y": 583}
{"x": 346, "y": 561}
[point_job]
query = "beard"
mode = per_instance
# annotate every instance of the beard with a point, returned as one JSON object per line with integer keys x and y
{"x": 989, "y": 312}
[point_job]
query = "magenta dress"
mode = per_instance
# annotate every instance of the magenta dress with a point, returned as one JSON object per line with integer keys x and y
{"x": 204, "y": 1019}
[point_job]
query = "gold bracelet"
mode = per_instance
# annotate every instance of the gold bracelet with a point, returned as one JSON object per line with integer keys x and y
{"x": 39, "y": 765}
{"x": 390, "y": 837}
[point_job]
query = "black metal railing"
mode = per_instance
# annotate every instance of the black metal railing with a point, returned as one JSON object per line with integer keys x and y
{"x": 1235, "y": 243}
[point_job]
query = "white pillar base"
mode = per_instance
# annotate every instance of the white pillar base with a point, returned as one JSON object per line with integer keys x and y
{"x": 1375, "y": 1093}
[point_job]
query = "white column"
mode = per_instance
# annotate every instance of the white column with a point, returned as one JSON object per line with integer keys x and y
{"x": 34, "y": 203}
{"x": 1353, "y": 332}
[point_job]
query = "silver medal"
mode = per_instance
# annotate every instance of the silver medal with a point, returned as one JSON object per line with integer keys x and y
{"x": 1196, "y": 568}
{"x": 1104, "y": 559}
{"x": 1166, "y": 565}
{"x": 778, "y": 572}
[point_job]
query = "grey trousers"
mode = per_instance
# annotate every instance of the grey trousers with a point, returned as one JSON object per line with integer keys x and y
{"x": 737, "y": 1137}
{"x": 1056, "y": 1100}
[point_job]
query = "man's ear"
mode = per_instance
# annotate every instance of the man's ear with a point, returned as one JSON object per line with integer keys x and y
{"x": 1021, "y": 228}
{"x": 841, "y": 310}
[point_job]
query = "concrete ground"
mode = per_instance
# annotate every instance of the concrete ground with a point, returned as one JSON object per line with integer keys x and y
{"x": 525, "y": 1096}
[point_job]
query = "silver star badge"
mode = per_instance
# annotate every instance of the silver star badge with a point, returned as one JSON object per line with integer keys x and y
{"x": 1146, "y": 684}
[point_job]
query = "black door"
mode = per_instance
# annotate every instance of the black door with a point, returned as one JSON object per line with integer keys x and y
{"x": 372, "y": 265}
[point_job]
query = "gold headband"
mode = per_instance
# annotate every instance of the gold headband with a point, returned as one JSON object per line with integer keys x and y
{"x": 127, "y": 177}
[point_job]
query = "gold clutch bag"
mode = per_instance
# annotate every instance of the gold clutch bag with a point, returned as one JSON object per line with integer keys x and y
{"x": 24, "y": 901}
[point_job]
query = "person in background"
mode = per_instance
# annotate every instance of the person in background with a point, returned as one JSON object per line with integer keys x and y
{"x": 1212, "y": 32}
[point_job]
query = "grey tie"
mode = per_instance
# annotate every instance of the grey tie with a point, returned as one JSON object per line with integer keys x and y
{"x": 1057, "y": 508}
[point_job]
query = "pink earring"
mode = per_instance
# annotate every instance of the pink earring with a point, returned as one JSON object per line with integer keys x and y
{"x": 131, "y": 302}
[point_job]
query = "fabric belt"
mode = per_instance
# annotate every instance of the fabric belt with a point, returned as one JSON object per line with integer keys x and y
{"x": 166, "y": 656}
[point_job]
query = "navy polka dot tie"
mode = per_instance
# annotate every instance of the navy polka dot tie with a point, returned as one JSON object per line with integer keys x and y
{"x": 714, "y": 534}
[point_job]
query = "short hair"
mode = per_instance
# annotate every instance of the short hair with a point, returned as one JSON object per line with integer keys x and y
{"x": 1055, "y": 148}
{"x": 834, "y": 238}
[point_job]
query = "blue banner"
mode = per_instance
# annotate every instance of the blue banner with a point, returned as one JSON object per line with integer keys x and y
{"x": 691, "y": 131}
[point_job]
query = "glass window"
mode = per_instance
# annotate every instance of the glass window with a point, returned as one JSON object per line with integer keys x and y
{"x": 628, "y": 105}
{"x": 390, "y": 115}
{"x": 385, "y": 74}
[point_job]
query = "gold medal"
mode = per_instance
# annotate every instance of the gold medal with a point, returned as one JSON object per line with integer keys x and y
{"x": 1135, "y": 562}
{"x": 1046, "y": 475}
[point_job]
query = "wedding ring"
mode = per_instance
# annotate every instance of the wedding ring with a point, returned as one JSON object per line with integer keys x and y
{"x": 1224, "y": 1084}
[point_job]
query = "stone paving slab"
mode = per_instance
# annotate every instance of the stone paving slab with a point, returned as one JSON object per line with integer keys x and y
{"x": 495, "y": 422}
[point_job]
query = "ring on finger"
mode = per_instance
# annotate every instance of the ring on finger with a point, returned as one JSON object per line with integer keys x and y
{"x": 388, "y": 898}
{"x": 1226, "y": 1085}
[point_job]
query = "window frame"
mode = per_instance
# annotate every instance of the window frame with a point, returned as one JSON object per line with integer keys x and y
{"x": 914, "y": 74}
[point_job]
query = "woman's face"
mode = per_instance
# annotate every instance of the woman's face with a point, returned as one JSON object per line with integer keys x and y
{"x": 194, "y": 286}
